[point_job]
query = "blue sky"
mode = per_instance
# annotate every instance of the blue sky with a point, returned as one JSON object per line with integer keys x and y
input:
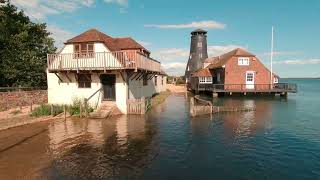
{"x": 164, "y": 27}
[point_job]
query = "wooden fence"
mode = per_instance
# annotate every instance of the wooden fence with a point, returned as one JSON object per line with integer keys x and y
{"x": 138, "y": 106}
{"x": 200, "y": 107}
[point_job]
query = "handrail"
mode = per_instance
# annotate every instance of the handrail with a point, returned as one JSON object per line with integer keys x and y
{"x": 87, "y": 99}
{"x": 130, "y": 59}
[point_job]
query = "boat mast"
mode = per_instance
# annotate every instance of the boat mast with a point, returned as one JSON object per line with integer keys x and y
{"x": 271, "y": 58}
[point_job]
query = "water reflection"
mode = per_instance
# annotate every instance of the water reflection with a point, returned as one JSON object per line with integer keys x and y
{"x": 98, "y": 149}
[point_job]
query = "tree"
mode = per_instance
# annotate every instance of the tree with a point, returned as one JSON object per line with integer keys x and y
{"x": 24, "y": 46}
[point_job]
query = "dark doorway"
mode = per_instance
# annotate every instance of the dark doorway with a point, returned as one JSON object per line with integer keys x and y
{"x": 109, "y": 86}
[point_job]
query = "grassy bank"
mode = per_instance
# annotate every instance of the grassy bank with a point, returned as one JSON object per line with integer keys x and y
{"x": 159, "y": 98}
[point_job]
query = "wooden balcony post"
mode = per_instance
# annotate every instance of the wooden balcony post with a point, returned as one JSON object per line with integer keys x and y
{"x": 104, "y": 61}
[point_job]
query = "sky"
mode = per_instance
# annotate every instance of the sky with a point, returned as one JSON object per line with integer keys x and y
{"x": 164, "y": 27}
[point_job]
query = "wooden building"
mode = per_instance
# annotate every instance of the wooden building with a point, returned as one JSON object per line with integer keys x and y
{"x": 101, "y": 68}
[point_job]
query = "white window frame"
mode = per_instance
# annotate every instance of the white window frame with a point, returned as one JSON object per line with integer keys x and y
{"x": 199, "y": 44}
{"x": 243, "y": 61}
{"x": 200, "y": 55}
{"x": 205, "y": 80}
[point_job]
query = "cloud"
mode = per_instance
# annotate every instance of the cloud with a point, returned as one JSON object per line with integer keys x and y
{"x": 144, "y": 43}
{"x": 174, "y": 60}
{"x": 40, "y": 9}
{"x": 119, "y": 2}
{"x": 219, "y": 50}
{"x": 280, "y": 53}
{"x": 176, "y": 54}
{"x": 298, "y": 62}
{"x": 171, "y": 54}
{"x": 200, "y": 24}
{"x": 174, "y": 68}
{"x": 59, "y": 35}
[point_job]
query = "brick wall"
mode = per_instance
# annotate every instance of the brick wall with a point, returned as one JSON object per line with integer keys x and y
{"x": 23, "y": 98}
{"x": 235, "y": 74}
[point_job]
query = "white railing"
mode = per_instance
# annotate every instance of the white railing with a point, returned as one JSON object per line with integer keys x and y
{"x": 101, "y": 61}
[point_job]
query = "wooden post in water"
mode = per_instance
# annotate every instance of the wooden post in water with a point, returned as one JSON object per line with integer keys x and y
{"x": 65, "y": 112}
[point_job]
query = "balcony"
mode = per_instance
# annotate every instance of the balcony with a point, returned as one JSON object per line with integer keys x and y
{"x": 101, "y": 61}
{"x": 239, "y": 88}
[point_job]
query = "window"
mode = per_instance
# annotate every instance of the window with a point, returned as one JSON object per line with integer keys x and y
{"x": 242, "y": 61}
{"x": 200, "y": 55}
{"x": 84, "y": 80}
{"x": 249, "y": 77}
{"x": 202, "y": 79}
{"x": 145, "y": 79}
{"x": 205, "y": 80}
{"x": 83, "y": 50}
{"x": 218, "y": 77}
{"x": 155, "y": 80}
{"x": 161, "y": 80}
{"x": 208, "y": 79}
{"x": 199, "y": 44}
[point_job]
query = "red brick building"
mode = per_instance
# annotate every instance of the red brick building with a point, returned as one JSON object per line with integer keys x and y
{"x": 236, "y": 71}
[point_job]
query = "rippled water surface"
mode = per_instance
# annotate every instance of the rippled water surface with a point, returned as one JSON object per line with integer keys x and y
{"x": 280, "y": 140}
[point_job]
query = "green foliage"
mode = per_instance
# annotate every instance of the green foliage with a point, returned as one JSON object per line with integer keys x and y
{"x": 15, "y": 112}
{"x": 74, "y": 109}
{"x": 24, "y": 46}
{"x": 45, "y": 110}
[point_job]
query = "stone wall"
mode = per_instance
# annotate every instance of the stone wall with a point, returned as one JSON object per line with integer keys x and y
{"x": 22, "y": 98}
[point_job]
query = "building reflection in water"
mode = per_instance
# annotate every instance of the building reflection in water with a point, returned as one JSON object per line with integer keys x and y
{"x": 238, "y": 124}
{"x": 98, "y": 149}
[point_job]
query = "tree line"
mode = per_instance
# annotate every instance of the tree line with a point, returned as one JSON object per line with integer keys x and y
{"x": 24, "y": 46}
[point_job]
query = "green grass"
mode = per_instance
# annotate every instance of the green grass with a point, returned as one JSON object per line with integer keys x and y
{"x": 74, "y": 109}
{"x": 45, "y": 110}
{"x": 159, "y": 98}
{"x": 15, "y": 112}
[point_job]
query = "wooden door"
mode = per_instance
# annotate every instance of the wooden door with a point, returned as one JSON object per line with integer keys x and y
{"x": 109, "y": 86}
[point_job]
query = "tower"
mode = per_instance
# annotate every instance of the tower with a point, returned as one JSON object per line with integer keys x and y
{"x": 198, "y": 52}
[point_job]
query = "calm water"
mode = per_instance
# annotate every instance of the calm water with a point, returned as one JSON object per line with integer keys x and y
{"x": 280, "y": 140}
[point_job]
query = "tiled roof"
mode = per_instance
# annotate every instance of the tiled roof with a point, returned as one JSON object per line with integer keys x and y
{"x": 202, "y": 73}
{"x": 113, "y": 44}
{"x": 219, "y": 61}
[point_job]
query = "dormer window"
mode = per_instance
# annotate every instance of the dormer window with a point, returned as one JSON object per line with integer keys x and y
{"x": 83, "y": 50}
{"x": 243, "y": 61}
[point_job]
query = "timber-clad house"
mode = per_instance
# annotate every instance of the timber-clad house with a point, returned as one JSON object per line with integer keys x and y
{"x": 100, "y": 68}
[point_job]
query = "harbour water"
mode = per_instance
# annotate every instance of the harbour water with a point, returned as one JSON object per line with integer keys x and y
{"x": 280, "y": 140}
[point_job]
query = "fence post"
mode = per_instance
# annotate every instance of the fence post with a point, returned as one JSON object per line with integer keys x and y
{"x": 65, "y": 112}
{"x": 31, "y": 106}
{"x": 51, "y": 110}
{"x": 85, "y": 107}
{"x": 20, "y": 94}
{"x": 80, "y": 110}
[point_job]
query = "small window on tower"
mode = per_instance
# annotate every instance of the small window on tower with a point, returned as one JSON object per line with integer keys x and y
{"x": 200, "y": 55}
{"x": 199, "y": 44}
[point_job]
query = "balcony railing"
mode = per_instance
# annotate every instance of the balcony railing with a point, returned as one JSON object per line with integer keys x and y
{"x": 278, "y": 87}
{"x": 102, "y": 61}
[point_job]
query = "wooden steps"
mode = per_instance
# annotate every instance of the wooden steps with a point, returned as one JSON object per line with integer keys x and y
{"x": 105, "y": 110}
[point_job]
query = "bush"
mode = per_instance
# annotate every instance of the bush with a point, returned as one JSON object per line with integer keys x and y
{"x": 74, "y": 109}
{"x": 45, "y": 110}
